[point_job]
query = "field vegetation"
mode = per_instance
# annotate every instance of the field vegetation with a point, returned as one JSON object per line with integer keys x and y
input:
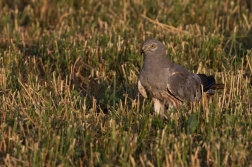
{"x": 68, "y": 74}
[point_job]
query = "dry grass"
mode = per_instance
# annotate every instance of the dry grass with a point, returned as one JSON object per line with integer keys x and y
{"x": 68, "y": 73}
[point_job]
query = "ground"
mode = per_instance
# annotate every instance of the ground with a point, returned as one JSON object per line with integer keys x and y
{"x": 68, "y": 83}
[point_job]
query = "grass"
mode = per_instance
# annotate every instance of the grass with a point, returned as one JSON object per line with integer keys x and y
{"x": 68, "y": 74}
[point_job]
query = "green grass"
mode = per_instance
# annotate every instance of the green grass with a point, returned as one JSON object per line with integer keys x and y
{"x": 68, "y": 74}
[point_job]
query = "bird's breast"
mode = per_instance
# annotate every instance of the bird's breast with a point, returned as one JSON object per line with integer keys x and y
{"x": 153, "y": 79}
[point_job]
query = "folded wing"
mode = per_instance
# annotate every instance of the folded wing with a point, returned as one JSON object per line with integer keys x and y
{"x": 184, "y": 87}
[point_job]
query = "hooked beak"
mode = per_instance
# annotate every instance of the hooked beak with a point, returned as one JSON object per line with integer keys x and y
{"x": 143, "y": 49}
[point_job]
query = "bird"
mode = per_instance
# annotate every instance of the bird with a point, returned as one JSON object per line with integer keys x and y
{"x": 170, "y": 84}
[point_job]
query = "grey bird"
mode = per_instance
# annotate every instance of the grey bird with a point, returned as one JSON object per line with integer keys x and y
{"x": 168, "y": 83}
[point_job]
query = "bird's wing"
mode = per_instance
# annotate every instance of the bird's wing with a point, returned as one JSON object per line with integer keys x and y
{"x": 184, "y": 86}
{"x": 141, "y": 89}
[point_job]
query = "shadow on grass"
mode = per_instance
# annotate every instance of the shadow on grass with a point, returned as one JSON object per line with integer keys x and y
{"x": 238, "y": 44}
{"x": 42, "y": 60}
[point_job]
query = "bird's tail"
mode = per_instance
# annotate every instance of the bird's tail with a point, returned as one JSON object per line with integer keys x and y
{"x": 209, "y": 85}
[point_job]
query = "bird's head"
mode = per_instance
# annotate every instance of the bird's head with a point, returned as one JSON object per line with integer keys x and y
{"x": 152, "y": 47}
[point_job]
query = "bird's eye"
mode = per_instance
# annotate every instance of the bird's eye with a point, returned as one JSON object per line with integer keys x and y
{"x": 153, "y": 46}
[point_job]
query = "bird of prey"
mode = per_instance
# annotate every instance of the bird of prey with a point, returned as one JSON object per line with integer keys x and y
{"x": 169, "y": 84}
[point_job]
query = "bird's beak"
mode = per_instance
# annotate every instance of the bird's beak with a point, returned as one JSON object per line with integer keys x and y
{"x": 143, "y": 49}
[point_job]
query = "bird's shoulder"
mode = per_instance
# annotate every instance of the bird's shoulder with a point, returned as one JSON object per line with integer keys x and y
{"x": 175, "y": 68}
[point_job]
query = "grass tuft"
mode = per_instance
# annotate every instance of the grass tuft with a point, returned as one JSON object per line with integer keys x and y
{"x": 68, "y": 74}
